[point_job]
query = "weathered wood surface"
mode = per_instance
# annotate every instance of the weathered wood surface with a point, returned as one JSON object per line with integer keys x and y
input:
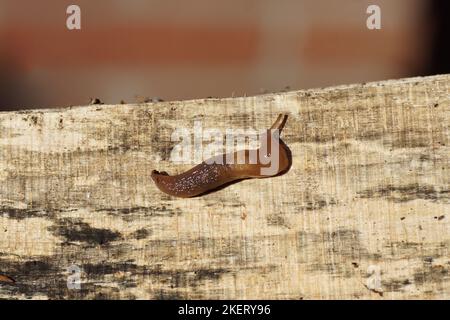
{"x": 366, "y": 199}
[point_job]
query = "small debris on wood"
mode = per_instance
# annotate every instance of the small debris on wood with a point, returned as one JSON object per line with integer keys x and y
{"x": 428, "y": 259}
{"x": 95, "y": 101}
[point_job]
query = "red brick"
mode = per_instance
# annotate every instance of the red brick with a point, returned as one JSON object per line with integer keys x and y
{"x": 337, "y": 46}
{"x": 131, "y": 45}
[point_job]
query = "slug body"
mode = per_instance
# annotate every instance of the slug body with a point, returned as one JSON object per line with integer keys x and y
{"x": 215, "y": 172}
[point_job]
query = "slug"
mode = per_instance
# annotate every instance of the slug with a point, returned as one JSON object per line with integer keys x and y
{"x": 6, "y": 279}
{"x": 218, "y": 171}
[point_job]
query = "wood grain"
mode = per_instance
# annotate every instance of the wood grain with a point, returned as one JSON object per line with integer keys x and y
{"x": 363, "y": 213}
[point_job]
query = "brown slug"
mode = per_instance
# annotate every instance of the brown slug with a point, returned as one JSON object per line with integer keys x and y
{"x": 6, "y": 279}
{"x": 218, "y": 171}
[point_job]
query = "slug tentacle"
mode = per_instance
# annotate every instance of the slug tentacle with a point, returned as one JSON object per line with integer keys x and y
{"x": 210, "y": 175}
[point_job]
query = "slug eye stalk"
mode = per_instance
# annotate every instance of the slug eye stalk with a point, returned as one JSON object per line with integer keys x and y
{"x": 272, "y": 159}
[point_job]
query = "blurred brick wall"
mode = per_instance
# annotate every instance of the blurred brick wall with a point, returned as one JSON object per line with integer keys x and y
{"x": 199, "y": 48}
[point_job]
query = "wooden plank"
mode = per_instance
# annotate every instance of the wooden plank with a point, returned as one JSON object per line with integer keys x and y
{"x": 362, "y": 213}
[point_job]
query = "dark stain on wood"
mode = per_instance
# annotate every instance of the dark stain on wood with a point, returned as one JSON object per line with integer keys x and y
{"x": 277, "y": 220}
{"x": 74, "y": 230}
{"x": 105, "y": 268}
{"x": 36, "y": 277}
{"x": 61, "y": 123}
{"x": 132, "y": 213}
{"x": 161, "y": 143}
{"x": 19, "y": 214}
{"x": 209, "y": 274}
{"x": 312, "y": 202}
{"x": 157, "y": 210}
{"x": 405, "y": 139}
{"x": 315, "y": 205}
{"x": 428, "y": 259}
{"x": 113, "y": 293}
{"x": 170, "y": 295}
{"x": 173, "y": 278}
{"x": 141, "y": 234}
{"x": 48, "y": 277}
{"x": 395, "y": 285}
{"x": 404, "y": 193}
{"x": 431, "y": 274}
